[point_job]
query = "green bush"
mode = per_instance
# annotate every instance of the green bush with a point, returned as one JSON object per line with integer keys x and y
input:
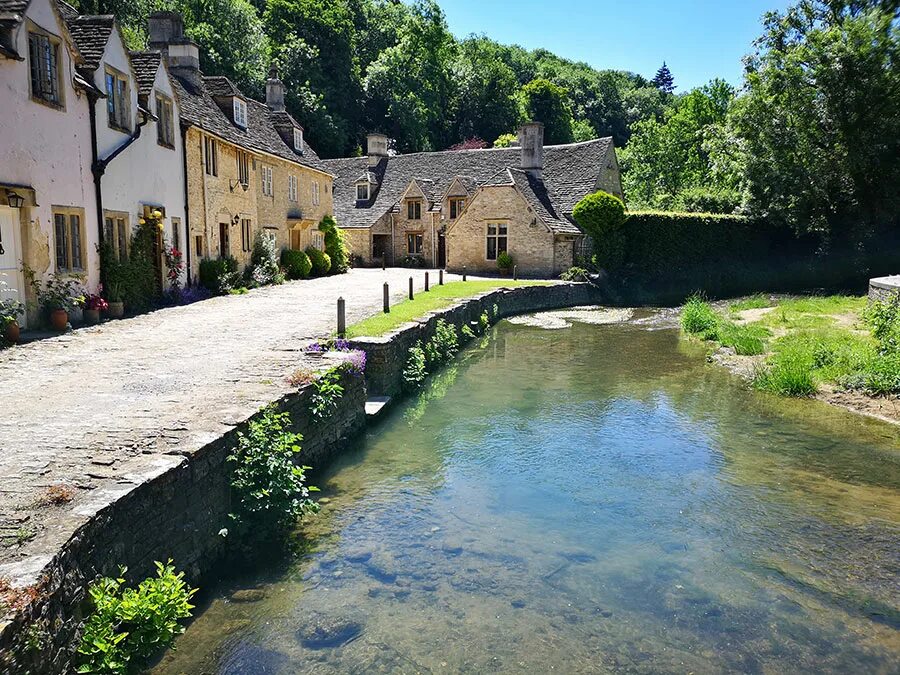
{"x": 327, "y": 391}
{"x": 504, "y": 261}
{"x": 321, "y": 261}
{"x": 263, "y": 269}
{"x": 884, "y": 320}
{"x": 698, "y": 318}
{"x": 270, "y": 490}
{"x": 219, "y": 275}
{"x": 601, "y": 216}
{"x": 416, "y": 369}
{"x": 297, "y": 264}
{"x": 575, "y": 274}
{"x": 443, "y": 344}
{"x": 127, "y": 626}
{"x": 335, "y": 245}
{"x": 707, "y": 200}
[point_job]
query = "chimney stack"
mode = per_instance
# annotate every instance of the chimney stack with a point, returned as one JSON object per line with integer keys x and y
{"x": 181, "y": 53}
{"x": 274, "y": 91}
{"x": 376, "y": 147}
{"x": 531, "y": 140}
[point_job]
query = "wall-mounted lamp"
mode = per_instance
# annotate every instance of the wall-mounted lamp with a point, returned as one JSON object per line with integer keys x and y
{"x": 14, "y": 199}
{"x": 236, "y": 220}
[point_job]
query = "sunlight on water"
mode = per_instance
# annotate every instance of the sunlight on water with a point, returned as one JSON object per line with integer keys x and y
{"x": 581, "y": 500}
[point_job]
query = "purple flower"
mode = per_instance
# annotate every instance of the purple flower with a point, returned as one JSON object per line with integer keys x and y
{"x": 314, "y": 348}
{"x": 356, "y": 363}
{"x": 342, "y": 345}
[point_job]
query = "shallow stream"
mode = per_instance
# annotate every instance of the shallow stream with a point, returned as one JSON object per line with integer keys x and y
{"x": 584, "y": 499}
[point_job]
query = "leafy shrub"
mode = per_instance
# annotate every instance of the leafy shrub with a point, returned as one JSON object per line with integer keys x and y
{"x": 270, "y": 490}
{"x": 467, "y": 333}
{"x": 444, "y": 343}
{"x": 219, "y": 275}
{"x": 483, "y": 323}
{"x": 335, "y": 245}
{"x": 698, "y": 318}
{"x": 413, "y": 261}
{"x": 327, "y": 391}
{"x": 263, "y": 269}
{"x": 505, "y": 261}
{"x": 601, "y": 216}
{"x": 127, "y": 626}
{"x": 575, "y": 274}
{"x": 879, "y": 377}
{"x": 416, "y": 370}
{"x": 297, "y": 264}
{"x": 706, "y": 200}
{"x": 321, "y": 261}
{"x": 884, "y": 320}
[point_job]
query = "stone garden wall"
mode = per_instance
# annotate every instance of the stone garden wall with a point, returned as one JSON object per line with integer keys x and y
{"x": 178, "y": 514}
{"x": 884, "y": 289}
{"x": 387, "y": 355}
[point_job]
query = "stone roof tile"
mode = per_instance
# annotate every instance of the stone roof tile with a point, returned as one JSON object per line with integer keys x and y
{"x": 91, "y": 33}
{"x": 145, "y": 65}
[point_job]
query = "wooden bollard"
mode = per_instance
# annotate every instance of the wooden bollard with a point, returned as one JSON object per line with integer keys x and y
{"x": 426, "y": 282}
{"x": 440, "y": 277}
{"x": 464, "y": 272}
{"x": 341, "y": 317}
{"x": 515, "y": 272}
{"x": 383, "y": 263}
{"x": 387, "y": 299}
{"x": 410, "y": 288}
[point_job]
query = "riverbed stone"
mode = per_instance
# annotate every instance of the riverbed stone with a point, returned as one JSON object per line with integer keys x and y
{"x": 248, "y": 595}
{"x": 328, "y": 631}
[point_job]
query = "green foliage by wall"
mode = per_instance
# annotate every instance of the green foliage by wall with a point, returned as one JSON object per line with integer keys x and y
{"x": 219, "y": 275}
{"x": 321, "y": 262}
{"x": 601, "y": 215}
{"x": 543, "y": 101}
{"x": 297, "y": 264}
{"x": 335, "y": 245}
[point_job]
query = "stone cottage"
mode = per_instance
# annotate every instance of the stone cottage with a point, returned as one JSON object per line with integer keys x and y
{"x": 459, "y": 209}
{"x": 248, "y": 165}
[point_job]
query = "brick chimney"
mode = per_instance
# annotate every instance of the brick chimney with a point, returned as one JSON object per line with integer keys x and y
{"x": 531, "y": 141}
{"x": 376, "y": 147}
{"x": 181, "y": 53}
{"x": 274, "y": 91}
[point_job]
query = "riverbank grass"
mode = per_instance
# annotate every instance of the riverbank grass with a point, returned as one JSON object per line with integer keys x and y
{"x": 423, "y": 303}
{"x": 808, "y": 341}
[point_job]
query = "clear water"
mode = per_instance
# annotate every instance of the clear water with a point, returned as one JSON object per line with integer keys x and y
{"x": 594, "y": 499}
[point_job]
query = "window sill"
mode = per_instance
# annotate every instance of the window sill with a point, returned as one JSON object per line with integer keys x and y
{"x": 168, "y": 146}
{"x": 121, "y": 130}
{"x": 53, "y": 105}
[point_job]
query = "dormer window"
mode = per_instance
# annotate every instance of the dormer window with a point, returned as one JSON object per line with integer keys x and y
{"x": 298, "y": 140}
{"x": 240, "y": 112}
{"x": 362, "y": 192}
{"x": 118, "y": 100}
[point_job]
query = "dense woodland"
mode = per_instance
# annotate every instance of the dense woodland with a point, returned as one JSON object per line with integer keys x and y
{"x": 810, "y": 139}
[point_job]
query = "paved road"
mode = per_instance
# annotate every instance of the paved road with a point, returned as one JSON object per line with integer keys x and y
{"x": 101, "y": 406}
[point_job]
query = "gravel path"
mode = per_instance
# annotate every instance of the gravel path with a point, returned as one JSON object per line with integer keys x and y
{"x": 103, "y": 408}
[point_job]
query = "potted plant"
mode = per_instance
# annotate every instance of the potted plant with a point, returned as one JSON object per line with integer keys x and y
{"x": 9, "y": 319}
{"x": 93, "y": 305}
{"x": 57, "y": 297}
{"x": 116, "y": 306}
{"x": 505, "y": 263}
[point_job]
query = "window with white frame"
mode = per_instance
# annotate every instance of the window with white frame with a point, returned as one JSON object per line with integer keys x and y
{"x": 496, "y": 239}
{"x": 298, "y": 140}
{"x": 165, "y": 124}
{"x": 362, "y": 191}
{"x": 243, "y": 165}
{"x": 43, "y": 63}
{"x": 118, "y": 104}
{"x": 268, "y": 188}
{"x": 315, "y": 193}
{"x": 240, "y": 112}
{"x": 292, "y": 188}
{"x": 68, "y": 233}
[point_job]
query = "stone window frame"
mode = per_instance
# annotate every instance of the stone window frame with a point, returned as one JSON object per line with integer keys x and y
{"x": 457, "y": 203}
{"x": 165, "y": 125}
{"x": 292, "y": 188}
{"x": 118, "y": 99}
{"x": 415, "y": 239}
{"x": 315, "y": 193}
{"x": 56, "y": 98}
{"x": 176, "y": 234}
{"x": 414, "y": 209}
{"x": 242, "y": 158}
{"x": 363, "y": 184}
{"x": 117, "y": 232}
{"x": 496, "y": 236}
{"x": 71, "y": 265}
{"x": 246, "y": 235}
{"x": 210, "y": 156}
{"x": 267, "y": 176}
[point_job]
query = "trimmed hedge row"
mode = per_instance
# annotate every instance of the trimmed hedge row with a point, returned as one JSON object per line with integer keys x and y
{"x": 658, "y": 242}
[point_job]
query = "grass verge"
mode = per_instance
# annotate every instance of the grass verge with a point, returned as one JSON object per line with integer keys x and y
{"x": 423, "y": 303}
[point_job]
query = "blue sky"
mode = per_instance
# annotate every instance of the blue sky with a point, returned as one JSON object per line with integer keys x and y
{"x": 699, "y": 39}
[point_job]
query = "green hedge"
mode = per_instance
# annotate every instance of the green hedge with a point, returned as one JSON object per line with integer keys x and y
{"x": 296, "y": 264}
{"x": 663, "y": 242}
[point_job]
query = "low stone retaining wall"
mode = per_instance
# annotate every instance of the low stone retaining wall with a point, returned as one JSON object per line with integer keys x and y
{"x": 176, "y": 513}
{"x": 884, "y": 289}
{"x": 386, "y": 355}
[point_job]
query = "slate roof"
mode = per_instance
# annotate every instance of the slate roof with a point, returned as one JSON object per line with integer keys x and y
{"x": 13, "y": 6}
{"x": 219, "y": 85}
{"x": 570, "y": 172}
{"x": 197, "y": 108}
{"x": 145, "y": 65}
{"x": 91, "y": 33}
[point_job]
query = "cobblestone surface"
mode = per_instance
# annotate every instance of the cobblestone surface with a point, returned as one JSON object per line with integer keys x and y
{"x": 103, "y": 408}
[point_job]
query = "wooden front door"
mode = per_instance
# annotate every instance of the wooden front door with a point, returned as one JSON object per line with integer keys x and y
{"x": 442, "y": 250}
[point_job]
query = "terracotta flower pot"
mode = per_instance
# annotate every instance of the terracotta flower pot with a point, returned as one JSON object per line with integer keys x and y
{"x": 11, "y": 332}
{"x": 92, "y": 316}
{"x": 59, "y": 319}
{"x": 116, "y": 310}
